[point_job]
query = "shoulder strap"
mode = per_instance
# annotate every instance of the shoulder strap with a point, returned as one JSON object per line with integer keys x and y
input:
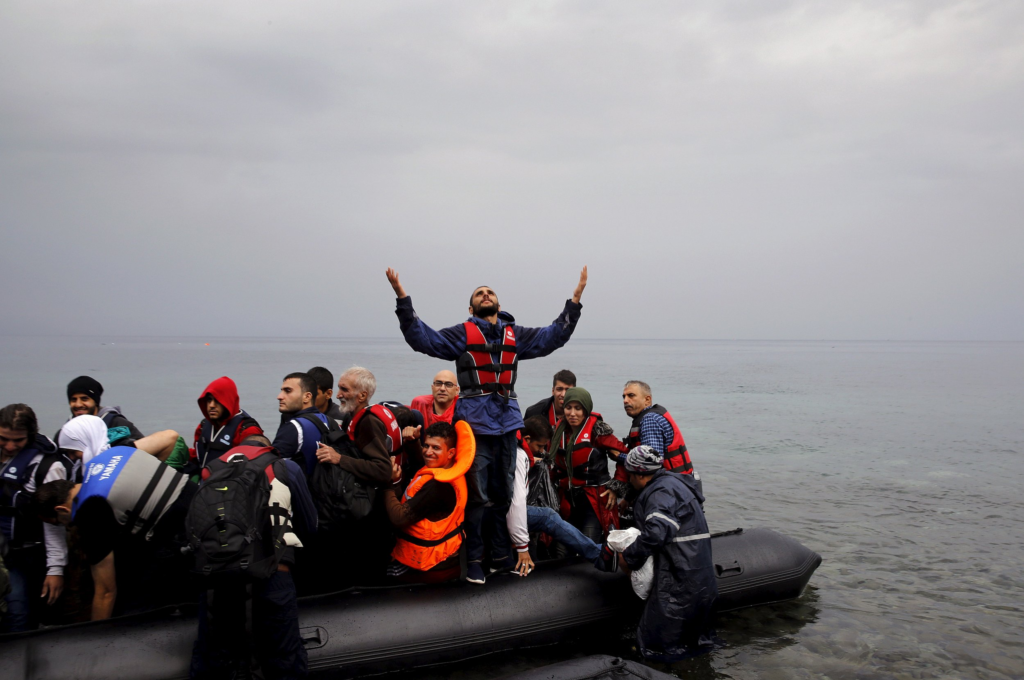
{"x": 320, "y": 425}
{"x": 147, "y": 493}
{"x": 48, "y": 461}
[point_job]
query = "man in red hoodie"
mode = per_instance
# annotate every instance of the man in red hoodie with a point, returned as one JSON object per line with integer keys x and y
{"x": 224, "y": 425}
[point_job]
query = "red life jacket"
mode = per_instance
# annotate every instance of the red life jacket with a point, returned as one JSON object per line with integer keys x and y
{"x": 477, "y": 372}
{"x": 552, "y": 419}
{"x": 394, "y": 432}
{"x": 587, "y": 465}
{"x": 677, "y": 459}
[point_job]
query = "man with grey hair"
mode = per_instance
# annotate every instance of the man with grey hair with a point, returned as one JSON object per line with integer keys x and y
{"x": 375, "y": 432}
{"x": 654, "y": 426}
{"x": 373, "y": 429}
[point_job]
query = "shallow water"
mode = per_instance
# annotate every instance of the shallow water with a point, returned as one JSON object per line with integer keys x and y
{"x": 899, "y": 462}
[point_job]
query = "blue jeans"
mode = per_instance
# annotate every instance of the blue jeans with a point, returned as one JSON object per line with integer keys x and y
{"x": 217, "y": 653}
{"x": 27, "y": 568}
{"x": 548, "y": 521}
{"x": 490, "y": 481}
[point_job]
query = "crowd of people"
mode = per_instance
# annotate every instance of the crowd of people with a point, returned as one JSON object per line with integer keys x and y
{"x": 455, "y": 484}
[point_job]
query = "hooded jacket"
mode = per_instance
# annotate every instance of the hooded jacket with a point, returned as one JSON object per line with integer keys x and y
{"x": 225, "y": 391}
{"x": 673, "y": 529}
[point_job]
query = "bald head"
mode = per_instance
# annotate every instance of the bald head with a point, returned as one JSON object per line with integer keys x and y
{"x": 444, "y": 388}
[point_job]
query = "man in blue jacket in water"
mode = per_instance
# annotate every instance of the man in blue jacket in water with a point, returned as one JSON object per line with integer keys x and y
{"x": 676, "y": 621}
{"x": 487, "y": 349}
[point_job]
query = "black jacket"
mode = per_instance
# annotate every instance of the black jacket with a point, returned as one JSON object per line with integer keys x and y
{"x": 673, "y": 530}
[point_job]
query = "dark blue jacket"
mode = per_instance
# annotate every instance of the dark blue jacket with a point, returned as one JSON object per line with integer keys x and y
{"x": 673, "y": 529}
{"x": 489, "y": 414}
{"x": 297, "y": 438}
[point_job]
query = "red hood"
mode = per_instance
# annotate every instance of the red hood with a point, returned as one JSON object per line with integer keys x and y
{"x": 224, "y": 391}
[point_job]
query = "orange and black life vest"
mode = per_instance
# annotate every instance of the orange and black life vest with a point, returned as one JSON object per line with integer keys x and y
{"x": 677, "y": 459}
{"x": 477, "y": 370}
{"x": 586, "y": 464}
{"x": 427, "y": 543}
{"x": 394, "y": 432}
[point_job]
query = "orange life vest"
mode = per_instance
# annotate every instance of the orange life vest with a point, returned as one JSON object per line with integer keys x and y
{"x": 427, "y": 543}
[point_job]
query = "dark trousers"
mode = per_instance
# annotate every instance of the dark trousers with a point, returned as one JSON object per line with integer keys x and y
{"x": 490, "y": 481}
{"x": 221, "y": 646}
{"x": 27, "y": 568}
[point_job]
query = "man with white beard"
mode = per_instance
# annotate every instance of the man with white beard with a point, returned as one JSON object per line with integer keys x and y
{"x": 359, "y": 554}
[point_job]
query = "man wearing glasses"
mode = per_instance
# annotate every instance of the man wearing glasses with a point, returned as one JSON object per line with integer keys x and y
{"x": 439, "y": 405}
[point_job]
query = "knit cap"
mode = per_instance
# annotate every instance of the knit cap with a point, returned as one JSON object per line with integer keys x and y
{"x": 83, "y": 384}
{"x": 644, "y": 460}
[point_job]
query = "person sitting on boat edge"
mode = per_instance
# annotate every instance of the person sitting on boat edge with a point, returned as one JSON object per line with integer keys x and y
{"x": 654, "y": 426}
{"x": 133, "y": 505}
{"x": 38, "y": 552}
{"x": 580, "y": 448}
{"x": 324, "y": 380}
{"x": 524, "y": 519}
{"x": 487, "y": 349}
{"x": 551, "y": 407}
{"x": 677, "y": 617}
{"x": 303, "y": 427}
{"x": 220, "y": 648}
{"x": 224, "y": 424}
{"x": 429, "y": 516}
{"x": 439, "y": 405}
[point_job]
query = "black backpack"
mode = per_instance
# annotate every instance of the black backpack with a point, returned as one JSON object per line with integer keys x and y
{"x": 339, "y": 495}
{"x": 231, "y": 527}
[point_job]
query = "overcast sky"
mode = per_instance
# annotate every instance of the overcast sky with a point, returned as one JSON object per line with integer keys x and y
{"x": 761, "y": 169}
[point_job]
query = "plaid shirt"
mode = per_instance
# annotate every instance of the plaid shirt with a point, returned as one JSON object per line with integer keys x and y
{"x": 656, "y": 432}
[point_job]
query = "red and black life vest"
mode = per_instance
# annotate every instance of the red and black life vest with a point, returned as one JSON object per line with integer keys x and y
{"x": 585, "y": 463}
{"x": 223, "y": 439}
{"x": 394, "y": 431}
{"x": 677, "y": 459}
{"x": 477, "y": 371}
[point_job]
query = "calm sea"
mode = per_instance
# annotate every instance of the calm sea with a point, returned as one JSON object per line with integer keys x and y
{"x": 901, "y": 463}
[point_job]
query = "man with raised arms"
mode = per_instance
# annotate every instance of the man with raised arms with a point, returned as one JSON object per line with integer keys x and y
{"x": 439, "y": 405}
{"x": 486, "y": 350}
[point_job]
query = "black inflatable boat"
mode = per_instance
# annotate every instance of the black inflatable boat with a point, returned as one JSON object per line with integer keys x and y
{"x": 388, "y": 629}
{"x": 599, "y": 667}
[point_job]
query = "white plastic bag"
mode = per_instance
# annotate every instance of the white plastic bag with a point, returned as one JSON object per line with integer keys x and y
{"x": 643, "y": 578}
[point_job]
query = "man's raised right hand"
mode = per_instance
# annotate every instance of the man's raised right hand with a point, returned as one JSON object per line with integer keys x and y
{"x": 395, "y": 283}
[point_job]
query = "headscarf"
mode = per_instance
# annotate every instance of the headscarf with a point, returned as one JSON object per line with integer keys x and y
{"x": 87, "y": 434}
{"x": 644, "y": 460}
{"x": 581, "y": 397}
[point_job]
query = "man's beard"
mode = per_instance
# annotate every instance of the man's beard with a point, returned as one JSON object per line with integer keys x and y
{"x": 485, "y": 310}
{"x": 347, "y": 407}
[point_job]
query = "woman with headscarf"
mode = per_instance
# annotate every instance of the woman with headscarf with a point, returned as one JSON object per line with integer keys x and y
{"x": 580, "y": 448}
{"x": 88, "y": 436}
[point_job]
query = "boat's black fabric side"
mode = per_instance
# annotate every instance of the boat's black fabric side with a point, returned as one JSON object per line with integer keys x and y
{"x": 380, "y": 630}
{"x": 758, "y": 566}
{"x": 593, "y": 668}
{"x": 398, "y": 629}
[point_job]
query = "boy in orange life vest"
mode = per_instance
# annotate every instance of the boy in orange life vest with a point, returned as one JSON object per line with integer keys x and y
{"x": 428, "y": 518}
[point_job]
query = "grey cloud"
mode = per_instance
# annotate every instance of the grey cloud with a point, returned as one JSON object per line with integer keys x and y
{"x": 749, "y": 170}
